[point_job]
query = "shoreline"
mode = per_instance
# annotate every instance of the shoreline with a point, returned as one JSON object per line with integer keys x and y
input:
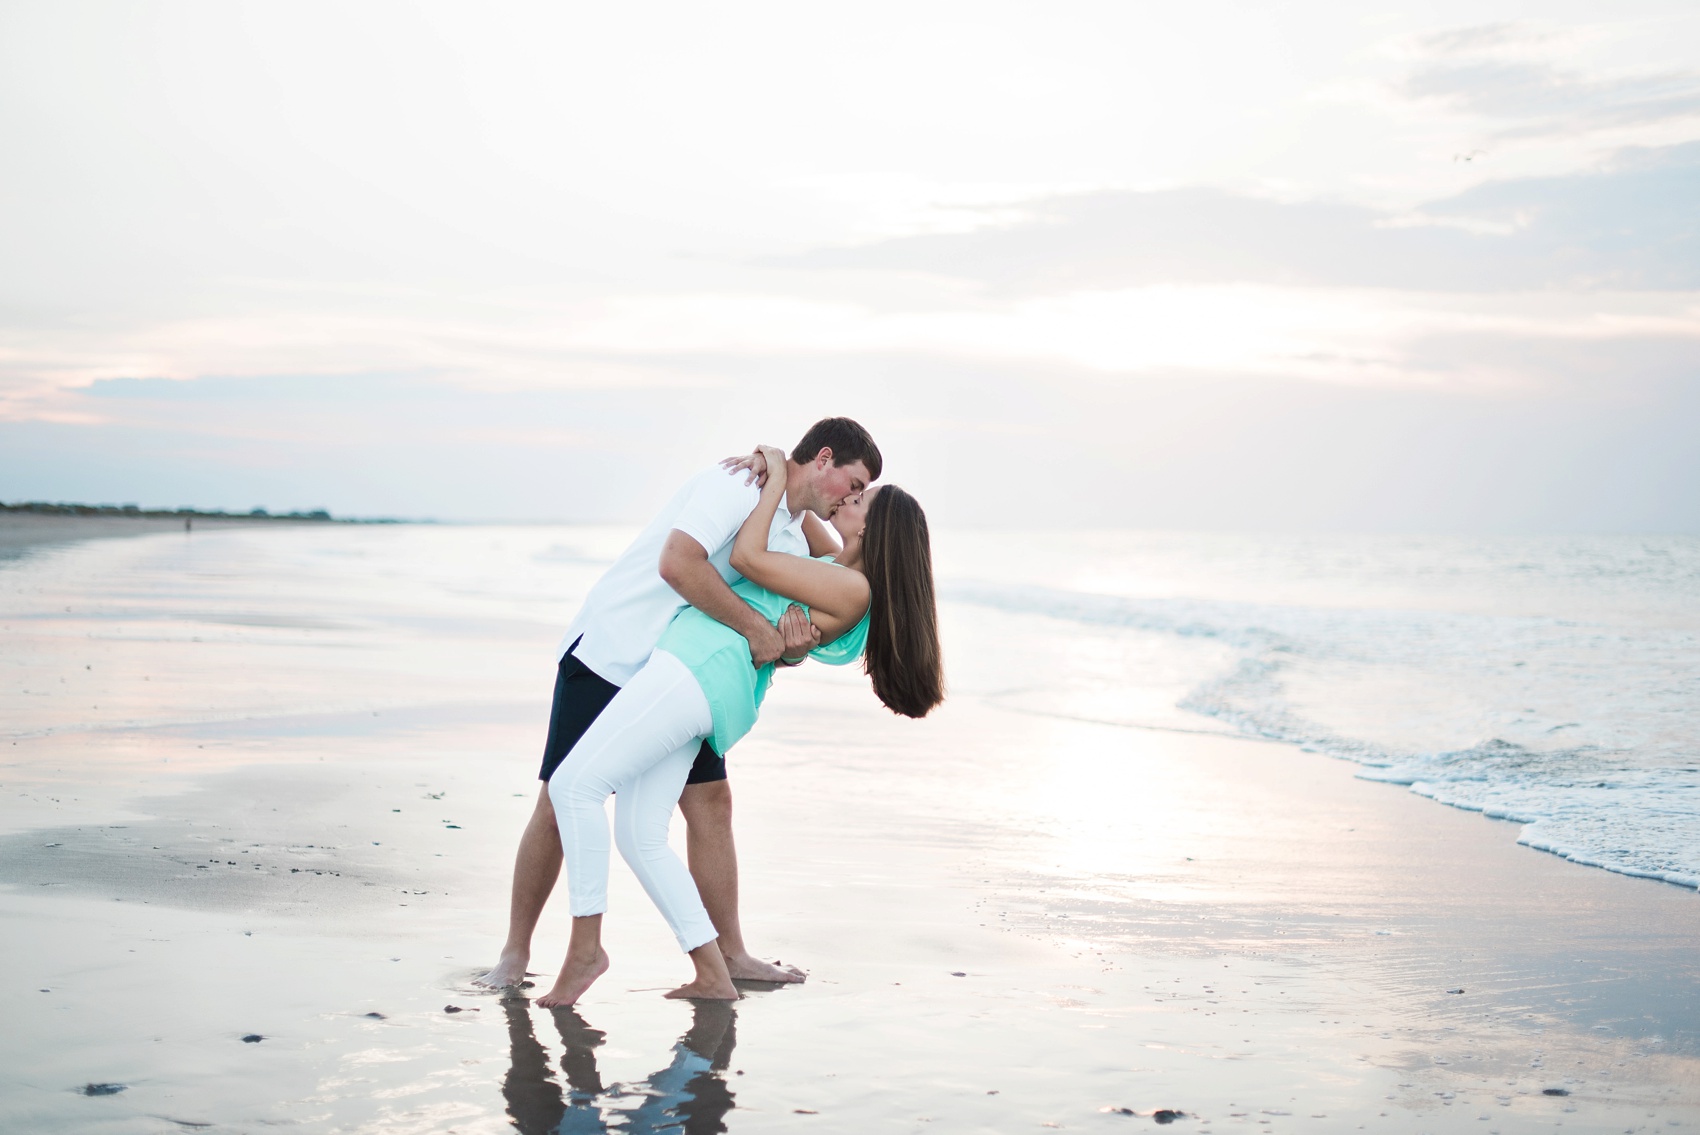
{"x": 1362, "y": 772}
{"x": 1290, "y": 973}
{"x": 24, "y": 527}
{"x": 1012, "y": 920}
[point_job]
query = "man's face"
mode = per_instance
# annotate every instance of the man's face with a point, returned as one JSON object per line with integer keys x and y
{"x": 830, "y": 484}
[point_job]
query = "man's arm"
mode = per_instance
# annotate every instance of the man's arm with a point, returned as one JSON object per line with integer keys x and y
{"x": 685, "y": 568}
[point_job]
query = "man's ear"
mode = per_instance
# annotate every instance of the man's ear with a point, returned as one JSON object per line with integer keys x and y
{"x": 824, "y": 457}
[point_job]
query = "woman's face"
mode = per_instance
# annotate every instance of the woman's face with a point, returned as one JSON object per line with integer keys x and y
{"x": 852, "y": 515}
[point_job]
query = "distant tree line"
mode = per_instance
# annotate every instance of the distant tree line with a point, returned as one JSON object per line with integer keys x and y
{"x": 60, "y": 508}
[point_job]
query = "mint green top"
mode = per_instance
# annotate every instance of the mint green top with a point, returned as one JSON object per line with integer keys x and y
{"x": 720, "y": 658}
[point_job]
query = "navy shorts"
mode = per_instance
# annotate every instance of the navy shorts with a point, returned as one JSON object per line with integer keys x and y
{"x": 581, "y": 695}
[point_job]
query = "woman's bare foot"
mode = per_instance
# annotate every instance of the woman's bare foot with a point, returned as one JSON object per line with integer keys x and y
{"x": 508, "y": 970}
{"x": 748, "y": 967}
{"x": 712, "y": 982}
{"x": 703, "y": 989}
{"x": 575, "y": 977}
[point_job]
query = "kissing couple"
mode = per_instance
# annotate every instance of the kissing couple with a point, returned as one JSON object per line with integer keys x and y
{"x": 758, "y": 562}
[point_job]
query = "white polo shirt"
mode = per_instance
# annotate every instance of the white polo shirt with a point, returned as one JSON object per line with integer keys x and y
{"x": 625, "y": 613}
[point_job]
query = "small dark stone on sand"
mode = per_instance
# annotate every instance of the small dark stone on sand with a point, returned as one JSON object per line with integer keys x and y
{"x": 457, "y": 1009}
{"x": 1118, "y": 1111}
{"x": 1454, "y": 991}
{"x": 1167, "y": 1115}
{"x": 957, "y": 973}
{"x": 993, "y": 1092}
{"x": 377, "y": 1016}
{"x": 803, "y": 1111}
{"x": 1555, "y": 1091}
{"x": 102, "y": 1089}
{"x": 252, "y": 1038}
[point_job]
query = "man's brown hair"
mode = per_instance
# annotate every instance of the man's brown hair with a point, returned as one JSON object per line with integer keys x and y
{"x": 847, "y": 440}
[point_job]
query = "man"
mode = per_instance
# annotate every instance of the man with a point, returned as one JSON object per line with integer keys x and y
{"x": 682, "y": 558}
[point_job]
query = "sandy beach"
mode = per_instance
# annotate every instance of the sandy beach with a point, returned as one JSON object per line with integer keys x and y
{"x": 22, "y": 531}
{"x": 262, "y": 788}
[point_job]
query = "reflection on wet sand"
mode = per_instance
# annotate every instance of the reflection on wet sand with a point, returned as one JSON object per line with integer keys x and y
{"x": 689, "y": 1095}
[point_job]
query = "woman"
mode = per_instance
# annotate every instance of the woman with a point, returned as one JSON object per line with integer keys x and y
{"x": 874, "y": 597}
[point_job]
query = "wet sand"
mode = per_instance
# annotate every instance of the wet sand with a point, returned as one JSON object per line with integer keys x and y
{"x": 21, "y": 531}
{"x": 1012, "y": 921}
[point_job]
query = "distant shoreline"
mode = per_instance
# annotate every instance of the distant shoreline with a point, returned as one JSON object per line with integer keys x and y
{"x": 63, "y": 508}
{"x": 33, "y": 524}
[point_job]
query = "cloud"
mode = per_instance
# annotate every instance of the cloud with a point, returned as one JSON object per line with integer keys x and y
{"x": 1540, "y": 98}
{"x": 1630, "y": 225}
{"x": 1606, "y": 444}
{"x": 1478, "y": 38}
{"x": 486, "y": 346}
{"x": 1196, "y": 279}
{"x": 1504, "y": 71}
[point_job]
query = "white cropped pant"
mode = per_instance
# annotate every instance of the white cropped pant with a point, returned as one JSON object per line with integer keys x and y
{"x": 641, "y": 748}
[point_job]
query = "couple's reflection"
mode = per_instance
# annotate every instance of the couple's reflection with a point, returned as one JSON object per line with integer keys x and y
{"x": 688, "y": 1096}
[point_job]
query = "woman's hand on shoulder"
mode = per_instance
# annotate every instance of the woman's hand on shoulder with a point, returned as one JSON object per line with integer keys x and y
{"x": 776, "y": 463}
{"x": 753, "y": 464}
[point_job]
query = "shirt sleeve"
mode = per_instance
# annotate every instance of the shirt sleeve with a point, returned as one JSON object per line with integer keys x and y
{"x": 844, "y": 649}
{"x": 719, "y": 504}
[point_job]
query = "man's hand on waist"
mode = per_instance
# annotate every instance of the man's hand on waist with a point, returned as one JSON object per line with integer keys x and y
{"x": 801, "y": 635}
{"x": 766, "y": 643}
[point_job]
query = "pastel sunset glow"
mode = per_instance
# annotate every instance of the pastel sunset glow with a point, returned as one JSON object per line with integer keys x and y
{"x": 1316, "y": 266}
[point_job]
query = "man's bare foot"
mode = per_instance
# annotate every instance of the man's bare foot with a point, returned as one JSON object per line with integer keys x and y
{"x": 508, "y": 970}
{"x": 748, "y": 967}
{"x": 704, "y": 989}
{"x": 574, "y": 979}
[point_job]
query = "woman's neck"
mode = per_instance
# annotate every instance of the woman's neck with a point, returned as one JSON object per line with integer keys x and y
{"x": 851, "y": 554}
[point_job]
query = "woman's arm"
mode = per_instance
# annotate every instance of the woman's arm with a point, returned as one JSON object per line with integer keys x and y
{"x": 822, "y": 541}
{"x": 837, "y": 596}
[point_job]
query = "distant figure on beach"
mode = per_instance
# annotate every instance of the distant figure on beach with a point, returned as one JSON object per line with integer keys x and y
{"x": 665, "y": 667}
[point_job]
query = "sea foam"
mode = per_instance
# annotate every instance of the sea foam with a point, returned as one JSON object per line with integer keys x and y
{"x": 1581, "y": 723}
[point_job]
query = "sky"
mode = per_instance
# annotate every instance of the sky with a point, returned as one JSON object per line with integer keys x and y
{"x": 1320, "y": 266}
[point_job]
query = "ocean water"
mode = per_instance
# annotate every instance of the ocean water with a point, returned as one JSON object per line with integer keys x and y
{"x": 1552, "y": 682}
{"x": 365, "y": 703}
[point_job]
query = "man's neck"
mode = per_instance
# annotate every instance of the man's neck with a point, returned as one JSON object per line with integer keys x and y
{"x": 792, "y": 469}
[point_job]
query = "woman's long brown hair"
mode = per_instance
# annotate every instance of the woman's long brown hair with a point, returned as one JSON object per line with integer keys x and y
{"x": 903, "y": 626}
